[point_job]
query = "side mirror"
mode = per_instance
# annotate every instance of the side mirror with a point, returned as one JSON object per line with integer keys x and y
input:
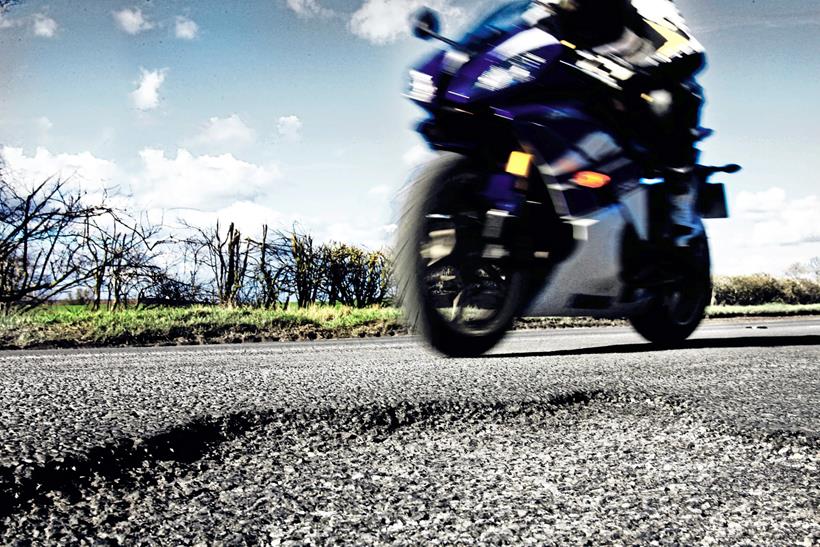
{"x": 425, "y": 23}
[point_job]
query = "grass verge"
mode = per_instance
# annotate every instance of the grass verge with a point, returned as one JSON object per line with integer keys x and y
{"x": 77, "y": 327}
{"x": 763, "y": 310}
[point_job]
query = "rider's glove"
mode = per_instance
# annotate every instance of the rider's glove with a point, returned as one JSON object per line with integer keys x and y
{"x": 640, "y": 83}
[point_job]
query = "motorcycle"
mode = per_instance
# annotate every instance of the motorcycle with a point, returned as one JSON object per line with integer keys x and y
{"x": 538, "y": 204}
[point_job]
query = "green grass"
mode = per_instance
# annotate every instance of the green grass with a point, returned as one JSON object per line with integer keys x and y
{"x": 763, "y": 310}
{"x": 77, "y": 326}
{"x": 64, "y": 326}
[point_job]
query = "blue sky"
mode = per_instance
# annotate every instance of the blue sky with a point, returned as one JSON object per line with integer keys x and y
{"x": 291, "y": 110}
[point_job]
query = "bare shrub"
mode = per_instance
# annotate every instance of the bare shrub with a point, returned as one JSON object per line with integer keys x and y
{"x": 165, "y": 288}
{"x": 270, "y": 272}
{"x": 41, "y": 241}
{"x": 121, "y": 254}
{"x": 6, "y": 4}
{"x": 226, "y": 256}
{"x": 305, "y": 269}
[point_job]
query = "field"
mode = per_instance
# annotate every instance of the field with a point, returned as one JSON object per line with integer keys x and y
{"x": 77, "y": 326}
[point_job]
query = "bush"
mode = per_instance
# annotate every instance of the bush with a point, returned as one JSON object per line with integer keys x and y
{"x": 801, "y": 291}
{"x": 753, "y": 290}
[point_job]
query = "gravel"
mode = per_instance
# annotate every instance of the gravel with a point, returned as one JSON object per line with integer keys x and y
{"x": 581, "y": 437}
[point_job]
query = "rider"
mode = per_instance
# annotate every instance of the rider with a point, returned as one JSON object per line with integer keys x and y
{"x": 650, "y": 37}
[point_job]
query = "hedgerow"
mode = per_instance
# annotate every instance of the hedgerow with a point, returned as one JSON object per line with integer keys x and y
{"x": 757, "y": 289}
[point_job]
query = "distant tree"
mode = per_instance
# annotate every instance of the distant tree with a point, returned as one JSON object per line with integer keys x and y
{"x": 807, "y": 270}
{"x": 55, "y": 244}
{"x": 798, "y": 270}
{"x": 814, "y": 268}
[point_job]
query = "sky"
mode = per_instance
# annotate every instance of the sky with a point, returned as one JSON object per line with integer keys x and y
{"x": 283, "y": 111}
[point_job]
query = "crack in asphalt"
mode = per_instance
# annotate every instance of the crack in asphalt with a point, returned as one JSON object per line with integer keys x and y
{"x": 22, "y": 486}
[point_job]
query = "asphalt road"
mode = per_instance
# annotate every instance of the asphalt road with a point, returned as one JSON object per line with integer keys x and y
{"x": 582, "y": 436}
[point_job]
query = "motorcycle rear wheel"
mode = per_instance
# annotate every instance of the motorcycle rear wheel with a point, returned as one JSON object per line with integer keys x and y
{"x": 460, "y": 303}
{"x": 679, "y": 308}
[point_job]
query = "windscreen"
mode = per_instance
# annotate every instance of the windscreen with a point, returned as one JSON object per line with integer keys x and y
{"x": 501, "y": 21}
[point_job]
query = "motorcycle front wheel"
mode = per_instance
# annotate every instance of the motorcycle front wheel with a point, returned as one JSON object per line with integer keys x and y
{"x": 461, "y": 299}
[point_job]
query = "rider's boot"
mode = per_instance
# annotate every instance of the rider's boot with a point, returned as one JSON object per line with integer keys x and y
{"x": 685, "y": 225}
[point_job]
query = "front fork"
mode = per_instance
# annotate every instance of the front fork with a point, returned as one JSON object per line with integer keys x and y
{"x": 509, "y": 222}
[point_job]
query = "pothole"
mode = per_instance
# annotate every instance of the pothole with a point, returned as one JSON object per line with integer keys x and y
{"x": 114, "y": 462}
{"x": 586, "y": 467}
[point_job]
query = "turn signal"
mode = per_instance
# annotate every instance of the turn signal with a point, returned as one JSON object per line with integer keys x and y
{"x": 519, "y": 164}
{"x": 591, "y": 179}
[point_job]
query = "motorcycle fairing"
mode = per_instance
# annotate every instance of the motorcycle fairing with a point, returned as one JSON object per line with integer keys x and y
{"x": 519, "y": 59}
{"x": 565, "y": 140}
{"x": 589, "y": 281}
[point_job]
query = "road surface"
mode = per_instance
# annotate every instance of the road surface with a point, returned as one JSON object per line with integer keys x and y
{"x": 579, "y": 436}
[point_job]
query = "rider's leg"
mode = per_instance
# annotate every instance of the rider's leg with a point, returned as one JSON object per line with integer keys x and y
{"x": 668, "y": 127}
{"x": 679, "y": 154}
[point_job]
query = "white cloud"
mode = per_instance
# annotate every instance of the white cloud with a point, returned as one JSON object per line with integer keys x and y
{"x": 225, "y": 131}
{"x": 201, "y": 189}
{"x": 385, "y": 21}
{"x": 247, "y": 216}
{"x": 186, "y": 29}
{"x": 358, "y": 232}
{"x": 146, "y": 96}
{"x": 8, "y": 22}
{"x": 309, "y": 8}
{"x": 132, "y": 21}
{"x": 44, "y": 26}
{"x": 43, "y": 124}
{"x": 418, "y": 155}
{"x": 85, "y": 169}
{"x": 380, "y": 190}
{"x": 207, "y": 183}
{"x": 41, "y": 24}
{"x": 761, "y": 203}
{"x": 290, "y": 128}
{"x": 778, "y": 220}
{"x": 199, "y": 182}
{"x": 755, "y": 18}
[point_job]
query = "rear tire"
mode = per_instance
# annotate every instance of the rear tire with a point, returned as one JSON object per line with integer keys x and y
{"x": 678, "y": 309}
{"x": 432, "y": 185}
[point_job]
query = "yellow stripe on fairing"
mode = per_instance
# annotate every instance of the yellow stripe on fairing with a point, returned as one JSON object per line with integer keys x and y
{"x": 674, "y": 41}
{"x": 519, "y": 164}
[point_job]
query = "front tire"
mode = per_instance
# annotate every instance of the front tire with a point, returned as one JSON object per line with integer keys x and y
{"x": 679, "y": 308}
{"x": 447, "y": 190}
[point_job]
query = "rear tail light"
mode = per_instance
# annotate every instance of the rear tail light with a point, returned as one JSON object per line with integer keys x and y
{"x": 591, "y": 179}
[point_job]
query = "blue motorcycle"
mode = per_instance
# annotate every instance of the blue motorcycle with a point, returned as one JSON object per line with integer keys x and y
{"x": 539, "y": 202}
